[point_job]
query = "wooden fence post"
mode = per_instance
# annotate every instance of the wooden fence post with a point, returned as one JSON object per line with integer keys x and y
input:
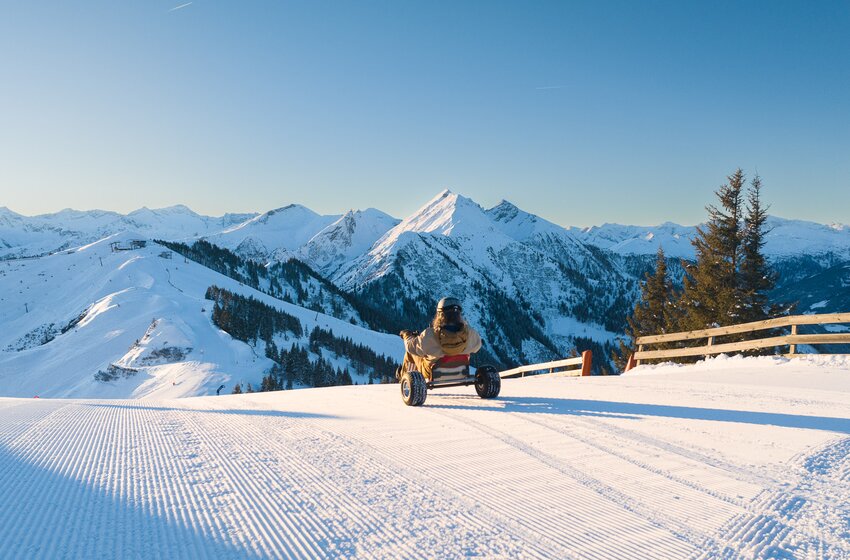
{"x": 586, "y": 361}
{"x": 792, "y": 348}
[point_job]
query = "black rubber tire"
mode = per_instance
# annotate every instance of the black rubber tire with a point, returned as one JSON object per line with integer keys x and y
{"x": 487, "y": 382}
{"x": 413, "y": 388}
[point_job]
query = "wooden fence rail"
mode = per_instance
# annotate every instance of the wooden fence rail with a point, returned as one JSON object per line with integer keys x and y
{"x": 791, "y": 339}
{"x": 583, "y": 362}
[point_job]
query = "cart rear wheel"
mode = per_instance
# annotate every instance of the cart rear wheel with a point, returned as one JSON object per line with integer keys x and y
{"x": 487, "y": 382}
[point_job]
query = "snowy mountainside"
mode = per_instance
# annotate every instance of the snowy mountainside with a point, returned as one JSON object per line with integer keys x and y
{"x": 507, "y": 273}
{"x": 785, "y": 239}
{"x": 345, "y": 239}
{"x": 827, "y": 291}
{"x": 277, "y": 234}
{"x": 642, "y": 240}
{"x": 135, "y": 320}
{"x": 22, "y": 236}
{"x": 789, "y": 238}
{"x": 291, "y": 281}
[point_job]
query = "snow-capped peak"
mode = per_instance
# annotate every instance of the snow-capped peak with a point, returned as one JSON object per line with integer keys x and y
{"x": 447, "y": 214}
{"x": 519, "y": 224}
{"x": 289, "y": 215}
{"x": 283, "y": 230}
{"x": 5, "y": 212}
{"x": 347, "y": 238}
{"x": 176, "y": 209}
{"x": 504, "y": 211}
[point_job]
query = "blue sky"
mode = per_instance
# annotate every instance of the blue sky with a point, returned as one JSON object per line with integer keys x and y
{"x": 582, "y": 112}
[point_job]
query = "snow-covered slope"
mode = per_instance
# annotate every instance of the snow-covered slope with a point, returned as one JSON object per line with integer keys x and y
{"x": 732, "y": 458}
{"x": 276, "y": 234}
{"x": 48, "y": 233}
{"x": 785, "y": 238}
{"x": 520, "y": 225}
{"x": 788, "y": 238}
{"x": 346, "y": 239}
{"x": 641, "y": 240}
{"x": 68, "y": 316}
{"x": 463, "y": 226}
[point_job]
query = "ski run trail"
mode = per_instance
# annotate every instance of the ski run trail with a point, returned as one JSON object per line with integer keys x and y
{"x": 728, "y": 458}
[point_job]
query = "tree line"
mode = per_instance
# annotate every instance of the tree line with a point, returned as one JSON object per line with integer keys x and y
{"x": 251, "y": 321}
{"x": 248, "y": 319}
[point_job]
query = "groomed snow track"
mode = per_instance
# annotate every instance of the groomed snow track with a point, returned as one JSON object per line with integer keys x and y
{"x": 711, "y": 464}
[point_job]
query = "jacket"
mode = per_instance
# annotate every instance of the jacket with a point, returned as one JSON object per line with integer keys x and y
{"x": 434, "y": 345}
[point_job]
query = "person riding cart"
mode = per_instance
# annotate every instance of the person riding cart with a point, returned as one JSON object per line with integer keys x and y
{"x": 448, "y": 335}
{"x": 439, "y": 357}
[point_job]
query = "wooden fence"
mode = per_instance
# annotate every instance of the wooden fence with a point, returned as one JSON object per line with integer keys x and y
{"x": 791, "y": 339}
{"x": 583, "y": 362}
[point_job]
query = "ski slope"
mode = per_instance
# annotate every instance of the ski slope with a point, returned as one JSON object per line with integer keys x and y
{"x": 129, "y": 307}
{"x": 730, "y": 458}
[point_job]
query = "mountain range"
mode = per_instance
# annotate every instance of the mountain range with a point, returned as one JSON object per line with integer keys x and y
{"x": 295, "y": 230}
{"x": 535, "y": 289}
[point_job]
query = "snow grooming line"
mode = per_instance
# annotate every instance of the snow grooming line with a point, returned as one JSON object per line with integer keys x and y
{"x": 414, "y": 388}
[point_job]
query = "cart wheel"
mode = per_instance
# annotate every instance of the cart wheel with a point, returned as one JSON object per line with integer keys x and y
{"x": 413, "y": 389}
{"x": 487, "y": 382}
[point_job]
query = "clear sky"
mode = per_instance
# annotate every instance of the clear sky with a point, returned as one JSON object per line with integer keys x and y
{"x": 582, "y": 112}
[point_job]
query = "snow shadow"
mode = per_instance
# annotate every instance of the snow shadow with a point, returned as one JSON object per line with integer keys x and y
{"x": 636, "y": 411}
{"x": 235, "y": 411}
{"x": 45, "y": 514}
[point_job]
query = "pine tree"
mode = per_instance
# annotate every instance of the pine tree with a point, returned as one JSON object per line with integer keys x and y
{"x": 237, "y": 389}
{"x": 654, "y": 313}
{"x": 756, "y": 278}
{"x": 712, "y": 296}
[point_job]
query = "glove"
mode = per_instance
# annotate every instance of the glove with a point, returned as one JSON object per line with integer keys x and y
{"x": 405, "y": 334}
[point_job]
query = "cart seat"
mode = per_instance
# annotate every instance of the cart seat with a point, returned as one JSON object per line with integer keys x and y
{"x": 448, "y": 365}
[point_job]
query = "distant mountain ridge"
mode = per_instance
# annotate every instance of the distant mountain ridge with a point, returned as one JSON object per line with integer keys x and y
{"x": 22, "y": 236}
{"x": 297, "y": 231}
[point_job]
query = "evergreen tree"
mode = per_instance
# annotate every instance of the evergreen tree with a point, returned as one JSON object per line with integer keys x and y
{"x": 237, "y": 389}
{"x": 654, "y": 313}
{"x": 756, "y": 278}
{"x": 712, "y": 296}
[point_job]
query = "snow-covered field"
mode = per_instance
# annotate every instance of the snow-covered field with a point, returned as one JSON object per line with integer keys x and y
{"x": 733, "y": 458}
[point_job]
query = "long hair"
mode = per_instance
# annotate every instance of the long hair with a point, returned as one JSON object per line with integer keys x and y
{"x": 451, "y": 317}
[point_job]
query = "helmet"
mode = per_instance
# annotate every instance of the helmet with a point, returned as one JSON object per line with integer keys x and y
{"x": 448, "y": 303}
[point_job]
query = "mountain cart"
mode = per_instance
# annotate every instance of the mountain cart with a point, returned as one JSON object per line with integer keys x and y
{"x": 449, "y": 371}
